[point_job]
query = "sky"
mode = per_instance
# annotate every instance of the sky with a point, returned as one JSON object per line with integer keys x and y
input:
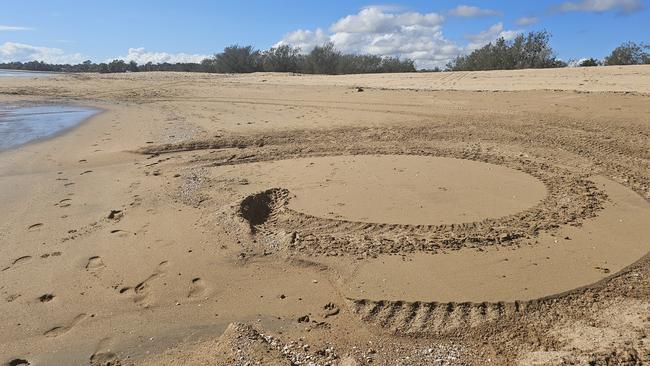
{"x": 432, "y": 32}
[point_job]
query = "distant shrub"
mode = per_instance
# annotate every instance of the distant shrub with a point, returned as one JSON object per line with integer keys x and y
{"x": 525, "y": 51}
{"x": 283, "y": 58}
{"x": 326, "y": 59}
{"x": 117, "y": 66}
{"x": 435, "y": 69}
{"x": 394, "y": 64}
{"x": 133, "y": 66}
{"x": 237, "y": 59}
{"x": 629, "y": 53}
{"x": 323, "y": 59}
{"x": 590, "y": 62}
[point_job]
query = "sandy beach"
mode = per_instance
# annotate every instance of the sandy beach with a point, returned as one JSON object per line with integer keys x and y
{"x": 474, "y": 218}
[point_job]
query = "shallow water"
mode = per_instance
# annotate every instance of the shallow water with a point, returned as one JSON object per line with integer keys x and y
{"x": 19, "y": 125}
{"x": 19, "y": 73}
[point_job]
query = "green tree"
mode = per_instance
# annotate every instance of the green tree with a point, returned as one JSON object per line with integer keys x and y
{"x": 322, "y": 60}
{"x": 590, "y": 62}
{"x": 117, "y": 66}
{"x": 235, "y": 59}
{"x": 628, "y": 53}
{"x": 238, "y": 59}
{"x": 283, "y": 58}
{"x": 531, "y": 50}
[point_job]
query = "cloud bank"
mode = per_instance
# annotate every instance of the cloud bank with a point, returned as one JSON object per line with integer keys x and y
{"x": 524, "y": 21}
{"x": 472, "y": 12}
{"x": 12, "y": 28}
{"x": 600, "y": 6}
{"x": 11, "y": 51}
{"x": 489, "y": 35}
{"x": 142, "y": 56}
{"x": 389, "y": 32}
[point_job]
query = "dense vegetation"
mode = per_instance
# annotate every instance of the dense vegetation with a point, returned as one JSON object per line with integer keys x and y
{"x": 237, "y": 59}
{"x": 111, "y": 67}
{"x": 629, "y": 53}
{"x": 324, "y": 59}
{"x": 532, "y": 50}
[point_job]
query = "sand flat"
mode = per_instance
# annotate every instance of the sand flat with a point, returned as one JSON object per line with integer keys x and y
{"x": 599, "y": 79}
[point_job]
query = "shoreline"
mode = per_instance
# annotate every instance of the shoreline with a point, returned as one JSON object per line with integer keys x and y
{"x": 27, "y": 73}
{"x": 87, "y": 109}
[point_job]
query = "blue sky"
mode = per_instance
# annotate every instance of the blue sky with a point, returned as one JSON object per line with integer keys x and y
{"x": 430, "y": 31}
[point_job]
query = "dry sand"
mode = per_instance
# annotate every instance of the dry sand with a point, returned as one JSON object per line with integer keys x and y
{"x": 450, "y": 218}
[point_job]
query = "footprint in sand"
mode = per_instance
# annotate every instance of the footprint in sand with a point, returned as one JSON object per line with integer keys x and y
{"x": 11, "y": 298}
{"x": 104, "y": 359}
{"x": 141, "y": 290}
{"x": 94, "y": 263}
{"x": 35, "y": 226}
{"x": 18, "y": 261}
{"x": 122, "y": 233}
{"x": 115, "y": 215}
{"x": 60, "y": 330}
{"x": 197, "y": 288}
{"x": 103, "y": 355}
{"x": 64, "y": 202}
{"x": 53, "y": 254}
{"x": 46, "y": 298}
{"x": 18, "y": 362}
{"x": 21, "y": 260}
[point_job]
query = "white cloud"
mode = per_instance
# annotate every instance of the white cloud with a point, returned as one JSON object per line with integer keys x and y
{"x": 142, "y": 56}
{"x": 472, "y": 12}
{"x": 306, "y": 40}
{"x": 385, "y": 32}
{"x": 390, "y": 32}
{"x": 524, "y": 21}
{"x": 11, "y": 28}
{"x": 599, "y": 6}
{"x": 11, "y": 51}
{"x": 490, "y": 35}
{"x": 577, "y": 63}
{"x": 377, "y": 20}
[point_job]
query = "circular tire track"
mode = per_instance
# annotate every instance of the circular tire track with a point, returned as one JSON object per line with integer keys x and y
{"x": 571, "y": 197}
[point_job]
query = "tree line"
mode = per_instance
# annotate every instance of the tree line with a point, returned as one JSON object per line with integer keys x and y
{"x": 532, "y": 50}
{"x": 628, "y": 53}
{"x": 325, "y": 59}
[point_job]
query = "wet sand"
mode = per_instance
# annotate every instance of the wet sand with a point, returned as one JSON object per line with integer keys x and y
{"x": 23, "y": 124}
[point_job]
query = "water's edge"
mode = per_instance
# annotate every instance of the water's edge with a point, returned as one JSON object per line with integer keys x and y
{"x": 21, "y": 125}
{"x": 23, "y": 73}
